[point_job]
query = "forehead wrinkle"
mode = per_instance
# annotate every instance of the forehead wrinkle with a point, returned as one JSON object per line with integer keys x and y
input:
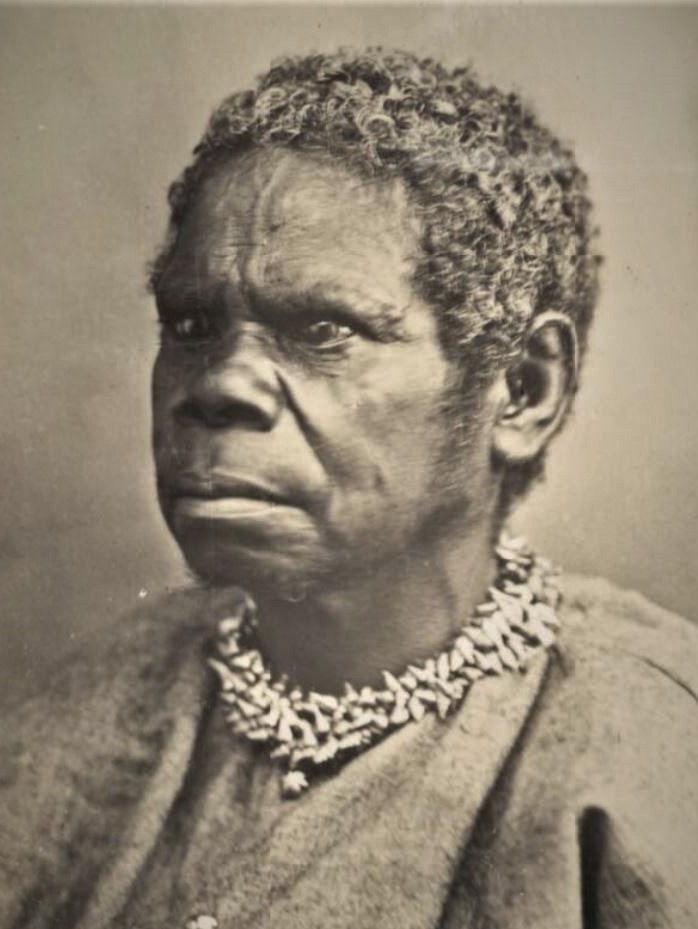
{"x": 230, "y": 243}
{"x": 267, "y": 184}
{"x": 259, "y": 246}
{"x": 275, "y": 185}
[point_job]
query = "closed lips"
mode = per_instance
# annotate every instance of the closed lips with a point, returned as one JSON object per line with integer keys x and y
{"x": 221, "y": 489}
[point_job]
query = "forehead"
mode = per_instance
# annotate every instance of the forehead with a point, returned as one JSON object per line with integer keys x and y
{"x": 282, "y": 223}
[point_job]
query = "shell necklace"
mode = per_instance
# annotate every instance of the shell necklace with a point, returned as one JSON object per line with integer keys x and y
{"x": 309, "y": 732}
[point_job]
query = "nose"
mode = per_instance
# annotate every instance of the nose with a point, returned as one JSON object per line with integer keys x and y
{"x": 240, "y": 390}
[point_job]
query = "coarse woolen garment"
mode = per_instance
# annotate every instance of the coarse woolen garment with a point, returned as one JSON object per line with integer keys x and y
{"x": 562, "y": 798}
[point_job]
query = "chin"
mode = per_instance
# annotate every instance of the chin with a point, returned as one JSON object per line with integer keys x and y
{"x": 279, "y": 567}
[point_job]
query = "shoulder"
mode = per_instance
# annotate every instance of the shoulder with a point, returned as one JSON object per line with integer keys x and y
{"x": 604, "y": 626}
{"x": 626, "y": 669}
{"x": 76, "y": 753}
{"x": 126, "y": 652}
{"x": 117, "y": 682}
{"x": 621, "y": 709}
{"x": 600, "y": 797}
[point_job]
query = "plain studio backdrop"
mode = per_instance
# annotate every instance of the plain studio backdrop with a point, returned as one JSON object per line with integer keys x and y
{"x": 99, "y": 109}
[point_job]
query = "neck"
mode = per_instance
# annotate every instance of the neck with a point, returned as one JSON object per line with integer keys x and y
{"x": 403, "y": 610}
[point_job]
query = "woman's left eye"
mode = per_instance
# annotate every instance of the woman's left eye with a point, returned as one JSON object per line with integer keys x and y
{"x": 325, "y": 333}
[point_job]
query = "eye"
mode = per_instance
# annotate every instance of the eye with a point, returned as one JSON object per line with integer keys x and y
{"x": 189, "y": 328}
{"x": 324, "y": 333}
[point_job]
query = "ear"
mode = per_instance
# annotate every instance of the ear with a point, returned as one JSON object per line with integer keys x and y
{"x": 536, "y": 390}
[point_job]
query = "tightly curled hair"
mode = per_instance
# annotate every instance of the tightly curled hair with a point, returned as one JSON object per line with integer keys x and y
{"x": 503, "y": 207}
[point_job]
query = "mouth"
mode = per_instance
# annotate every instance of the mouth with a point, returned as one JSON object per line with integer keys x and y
{"x": 219, "y": 488}
{"x": 224, "y": 497}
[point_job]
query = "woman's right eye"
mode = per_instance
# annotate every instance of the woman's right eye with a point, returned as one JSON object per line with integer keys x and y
{"x": 189, "y": 328}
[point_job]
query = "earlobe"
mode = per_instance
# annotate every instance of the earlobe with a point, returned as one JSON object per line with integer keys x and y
{"x": 536, "y": 390}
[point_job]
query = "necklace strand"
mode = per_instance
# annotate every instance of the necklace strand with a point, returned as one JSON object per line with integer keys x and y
{"x": 311, "y": 731}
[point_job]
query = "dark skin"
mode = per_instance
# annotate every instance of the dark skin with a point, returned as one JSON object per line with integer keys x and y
{"x": 304, "y": 432}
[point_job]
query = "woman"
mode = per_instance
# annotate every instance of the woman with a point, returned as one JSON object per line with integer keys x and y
{"x": 374, "y": 298}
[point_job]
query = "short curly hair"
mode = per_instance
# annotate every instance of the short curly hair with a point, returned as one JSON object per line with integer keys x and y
{"x": 503, "y": 206}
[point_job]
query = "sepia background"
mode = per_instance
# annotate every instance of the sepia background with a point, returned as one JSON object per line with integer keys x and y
{"x": 99, "y": 108}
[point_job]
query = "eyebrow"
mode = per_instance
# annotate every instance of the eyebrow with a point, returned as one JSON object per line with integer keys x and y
{"x": 174, "y": 300}
{"x": 383, "y": 317}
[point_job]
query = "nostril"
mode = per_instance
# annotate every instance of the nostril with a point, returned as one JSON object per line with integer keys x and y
{"x": 221, "y": 413}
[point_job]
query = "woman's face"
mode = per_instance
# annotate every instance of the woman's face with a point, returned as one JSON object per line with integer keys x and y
{"x": 299, "y": 394}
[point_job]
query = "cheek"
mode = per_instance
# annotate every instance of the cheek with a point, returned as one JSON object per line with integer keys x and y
{"x": 386, "y": 427}
{"x": 160, "y": 389}
{"x": 164, "y": 381}
{"x": 411, "y": 445}
{"x": 404, "y": 405}
{"x": 164, "y": 387}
